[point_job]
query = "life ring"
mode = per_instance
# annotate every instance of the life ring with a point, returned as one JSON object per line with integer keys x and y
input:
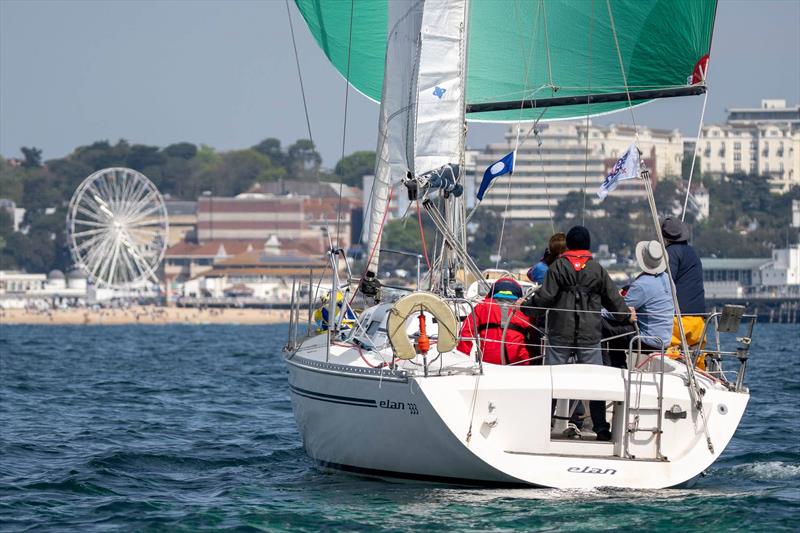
{"x": 414, "y": 303}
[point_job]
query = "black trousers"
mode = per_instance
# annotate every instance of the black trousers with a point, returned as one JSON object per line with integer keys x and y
{"x": 615, "y": 350}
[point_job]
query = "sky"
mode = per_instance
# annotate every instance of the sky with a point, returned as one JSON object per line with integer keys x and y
{"x": 223, "y": 73}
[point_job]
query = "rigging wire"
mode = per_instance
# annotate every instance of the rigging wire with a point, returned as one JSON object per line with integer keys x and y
{"x": 300, "y": 77}
{"x": 694, "y": 156}
{"x": 530, "y": 60}
{"x": 622, "y": 68}
{"x": 691, "y": 383}
{"x": 344, "y": 126}
{"x": 588, "y": 113}
{"x": 547, "y": 48}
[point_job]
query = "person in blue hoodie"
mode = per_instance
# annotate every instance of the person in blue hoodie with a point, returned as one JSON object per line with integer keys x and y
{"x": 556, "y": 246}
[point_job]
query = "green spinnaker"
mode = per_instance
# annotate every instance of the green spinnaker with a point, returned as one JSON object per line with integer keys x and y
{"x": 524, "y": 49}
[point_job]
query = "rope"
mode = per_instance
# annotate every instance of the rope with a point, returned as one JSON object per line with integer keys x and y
{"x": 547, "y": 48}
{"x": 377, "y": 241}
{"x": 694, "y": 155}
{"x": 422, "y": 236}
{"x": 344, "y": 126}
{"x": 544, "y": 176}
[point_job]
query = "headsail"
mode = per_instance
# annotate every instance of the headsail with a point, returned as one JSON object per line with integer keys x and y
{"x": 422, "y": 103}
{"x": 521, "y": 50}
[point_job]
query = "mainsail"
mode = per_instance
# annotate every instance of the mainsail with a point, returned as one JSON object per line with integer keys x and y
{"x": 538, "y": 50}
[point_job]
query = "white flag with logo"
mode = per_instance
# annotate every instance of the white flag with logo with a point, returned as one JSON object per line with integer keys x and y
{"x": 626, "y": 168}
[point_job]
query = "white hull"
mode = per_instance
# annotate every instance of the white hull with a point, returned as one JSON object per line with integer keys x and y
{"x": 351, "y": 417}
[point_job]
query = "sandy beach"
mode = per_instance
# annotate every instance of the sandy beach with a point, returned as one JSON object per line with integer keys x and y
{"x": 143, "y": 315}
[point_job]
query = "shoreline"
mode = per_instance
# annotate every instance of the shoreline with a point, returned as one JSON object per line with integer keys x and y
{"x": 145, "y": 315}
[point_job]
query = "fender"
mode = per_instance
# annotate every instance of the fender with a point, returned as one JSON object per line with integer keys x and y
{"x": 414, "y": 303}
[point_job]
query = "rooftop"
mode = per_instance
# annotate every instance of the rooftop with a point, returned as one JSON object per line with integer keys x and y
{"x": 714, "y": 263}
{"x": 214, "y": 248}
{"x": 180, "y": 207}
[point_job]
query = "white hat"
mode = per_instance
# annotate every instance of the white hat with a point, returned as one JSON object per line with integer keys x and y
{"x": 650, "y": 256}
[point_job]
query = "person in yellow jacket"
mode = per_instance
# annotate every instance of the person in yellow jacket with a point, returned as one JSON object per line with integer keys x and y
{"x": 322, "y": 312}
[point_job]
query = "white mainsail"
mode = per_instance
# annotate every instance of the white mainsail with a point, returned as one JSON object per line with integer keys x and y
{"x": 422, "y": 105}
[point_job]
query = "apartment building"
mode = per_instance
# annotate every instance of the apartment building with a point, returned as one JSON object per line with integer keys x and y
{"x": 763, "y": 140}
{"x": 573, "y": 157}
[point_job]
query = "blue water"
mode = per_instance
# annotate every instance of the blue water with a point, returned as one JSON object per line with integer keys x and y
{"x": 187, "y": 428}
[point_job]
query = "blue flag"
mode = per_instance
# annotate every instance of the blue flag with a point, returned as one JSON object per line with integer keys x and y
{"x": 504, "y": 166}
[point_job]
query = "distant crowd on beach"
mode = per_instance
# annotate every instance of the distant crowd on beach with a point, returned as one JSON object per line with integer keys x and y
{"x": 141, "y": 314}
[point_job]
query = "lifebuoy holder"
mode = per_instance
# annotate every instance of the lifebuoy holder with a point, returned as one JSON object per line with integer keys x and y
{"x": 416, "y": 303}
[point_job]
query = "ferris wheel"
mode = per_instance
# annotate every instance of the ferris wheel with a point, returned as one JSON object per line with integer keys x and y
{"x": 117, "y": 227}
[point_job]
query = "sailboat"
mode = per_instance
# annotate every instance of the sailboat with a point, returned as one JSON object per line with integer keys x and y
{"x": 388, "y": 394}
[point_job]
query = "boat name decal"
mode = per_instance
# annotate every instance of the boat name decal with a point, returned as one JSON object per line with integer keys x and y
{"x": 399, "y": 406}
{"x": 591, "y": 470}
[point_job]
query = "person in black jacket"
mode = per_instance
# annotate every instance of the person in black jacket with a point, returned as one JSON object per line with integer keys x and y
{"x": 687, "y": 274}
{"x": 576, "y": 288}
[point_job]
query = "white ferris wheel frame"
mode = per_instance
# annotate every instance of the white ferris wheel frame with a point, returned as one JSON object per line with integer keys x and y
{"x": 112, "y": 218}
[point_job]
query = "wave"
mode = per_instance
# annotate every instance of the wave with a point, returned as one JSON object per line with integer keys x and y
{"x": 770, "y": 470}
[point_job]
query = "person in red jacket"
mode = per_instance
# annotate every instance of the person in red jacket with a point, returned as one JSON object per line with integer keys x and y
{"x": 493, "y": 315}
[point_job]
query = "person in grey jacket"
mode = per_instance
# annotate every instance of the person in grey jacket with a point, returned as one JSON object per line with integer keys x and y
{"x": 576, "y": 288}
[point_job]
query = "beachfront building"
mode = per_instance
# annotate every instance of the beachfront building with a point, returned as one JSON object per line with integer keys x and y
{"x": 255, "y": 277}
{"x": 188, "y": 260}
{"x": 778, "y": 276}
{"x": 267, "y": 210}
{"x": 17, "y": 214}
{"x": 763, "y": 141}
{"x": 19, "y": 290}
{"x": 572, "y": 157}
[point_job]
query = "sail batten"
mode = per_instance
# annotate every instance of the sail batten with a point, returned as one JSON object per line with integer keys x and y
{"x": 634, "y": 96}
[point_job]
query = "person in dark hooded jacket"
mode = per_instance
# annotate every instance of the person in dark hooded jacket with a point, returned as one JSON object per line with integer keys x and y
{"x": 576, "y": 288}
{"x": 687, "y": 274}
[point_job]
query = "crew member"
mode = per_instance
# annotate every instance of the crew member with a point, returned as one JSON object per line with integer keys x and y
{"x": 687, "y": 274}
{"x": 577, "y": 288}
{"x": 651, "y": 296}
{"x": 493, "y": 316}
{"x": 555, "y": 247}
{"x": 322, "y": 312}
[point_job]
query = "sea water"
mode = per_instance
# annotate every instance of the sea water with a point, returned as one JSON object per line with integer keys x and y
{"x": 187, "y": 428}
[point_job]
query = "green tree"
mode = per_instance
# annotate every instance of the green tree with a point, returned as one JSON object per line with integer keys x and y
{"x": 303, "y": 159}
{"x": 352, "y": 168}
{"x": 686, "y": 167}
{"x": 181, "y": 151}
{"x": 32, "y": 157}
{"x": 271, "y": 148}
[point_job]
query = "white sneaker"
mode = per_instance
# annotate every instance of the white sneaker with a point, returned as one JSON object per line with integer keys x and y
{"x": 572, "y": 431}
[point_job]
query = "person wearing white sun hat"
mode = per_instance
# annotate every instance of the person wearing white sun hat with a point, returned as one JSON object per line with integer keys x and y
{"x": 650, "y": 295}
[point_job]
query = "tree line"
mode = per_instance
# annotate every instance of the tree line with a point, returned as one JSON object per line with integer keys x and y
{"x": 181, "y": 171}
{"x": 746, "y": 219}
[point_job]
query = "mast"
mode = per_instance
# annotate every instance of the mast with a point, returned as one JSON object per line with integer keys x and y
{"x": 421, "y": 130}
